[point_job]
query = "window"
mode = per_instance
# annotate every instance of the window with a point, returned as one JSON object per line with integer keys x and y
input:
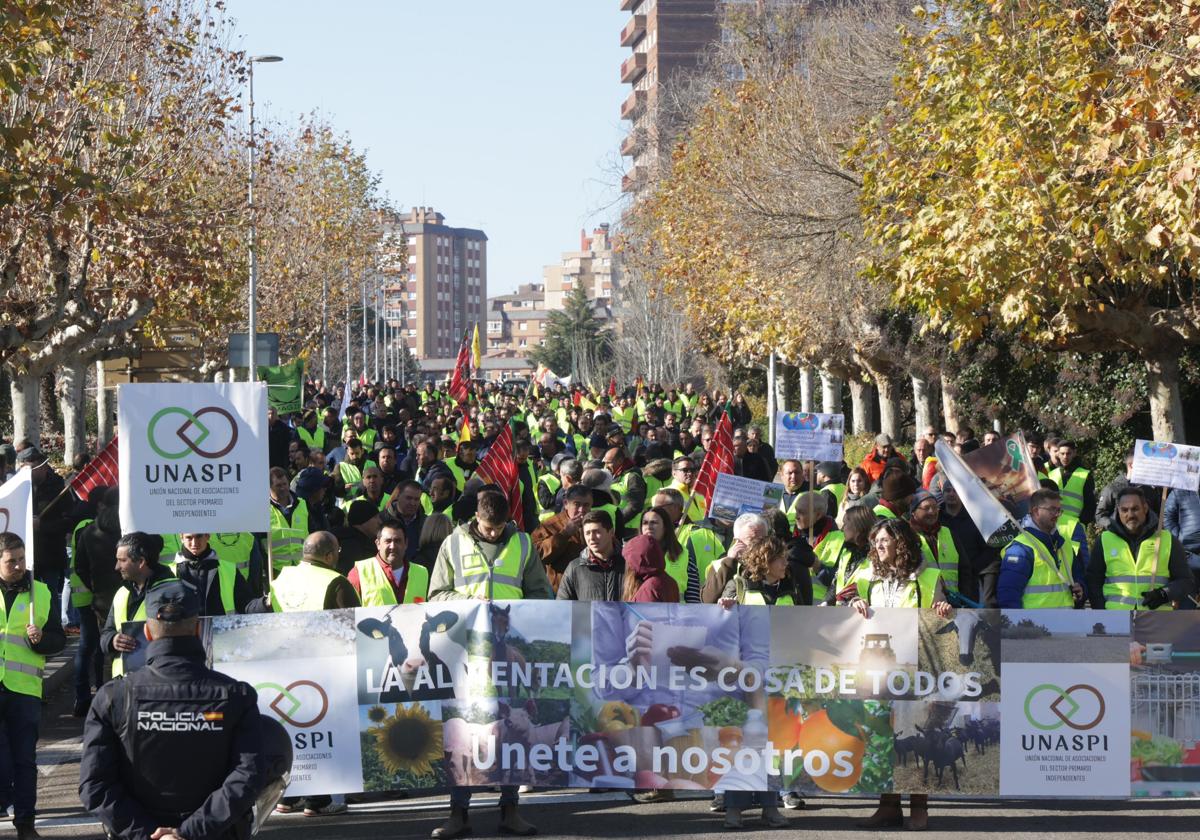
{"x": 412, "y": 259}
{"x": 412, "y": 295}
{"x": 524, "y": 326}
{"x": 412, "y": 240}
{"x": 412, "y": 333}
{"x": 523, "y": 343}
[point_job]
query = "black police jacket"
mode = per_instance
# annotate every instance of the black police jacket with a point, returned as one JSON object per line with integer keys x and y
{"x": 173, "y": 744}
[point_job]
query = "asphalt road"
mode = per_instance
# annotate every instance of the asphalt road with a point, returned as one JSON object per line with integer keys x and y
{"x": 581, "y": 815}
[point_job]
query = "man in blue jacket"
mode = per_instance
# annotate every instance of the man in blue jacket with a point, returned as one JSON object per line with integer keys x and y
{"x": 1028, "y": 579}
{"x": 1181, "y": 516}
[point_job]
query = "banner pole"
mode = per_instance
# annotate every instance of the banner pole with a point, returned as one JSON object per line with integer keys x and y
{"x": 812, "y": 488}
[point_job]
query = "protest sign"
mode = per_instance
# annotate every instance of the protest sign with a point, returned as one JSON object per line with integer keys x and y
{"x": 818, "y": 701}
{"x": 734, "y": 495}
{"x": 1166, "y": 465}
{"x": 1006, "y": 469}
{"x": 285, "y": 385}
{"x": 994, "y": 522}
{"x": 809, "y": 437}
{"x": 193, "y": 457}
{"x": 16, "y": 510}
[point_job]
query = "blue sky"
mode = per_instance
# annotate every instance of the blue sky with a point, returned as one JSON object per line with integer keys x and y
{"x": 502, "y": 116}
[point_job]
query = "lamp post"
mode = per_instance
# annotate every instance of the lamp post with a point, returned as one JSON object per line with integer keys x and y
{"x": 252, "y": 327}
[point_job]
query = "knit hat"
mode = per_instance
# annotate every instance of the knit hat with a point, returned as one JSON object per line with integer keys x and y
{"x": 918, "y": 497}
{"x": 309, "y": 481}
{"x": 898, "y": 485}
{"x": 883, "y": 440}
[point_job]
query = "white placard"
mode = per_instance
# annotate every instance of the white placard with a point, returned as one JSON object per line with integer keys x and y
{"x": 809, "y": 437}
{"x": 193, "y": 457}
{"x": 1064, "y": 730}
{"x": 1166, "y": 465}
{"x": 734, "y": 495}
{"x": 16, "y": 510}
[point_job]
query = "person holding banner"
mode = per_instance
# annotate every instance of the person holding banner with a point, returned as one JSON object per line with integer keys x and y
{"x": 896, "y": 577}
{"x": 32, "y": 631}
{"x": 1134, "y": 564}
{"x": 222, "y": 590}
{"x": 388, "y": 577}
{"x": 487, "y": 559}
{"x": 938, "y": 546}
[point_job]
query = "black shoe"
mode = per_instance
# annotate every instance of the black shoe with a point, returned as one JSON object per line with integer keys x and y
{"x": 26, "y": 831}
{"x": 717, "y": 806}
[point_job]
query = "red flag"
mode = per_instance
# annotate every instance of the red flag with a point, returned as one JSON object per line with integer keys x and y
{"x": 499, "y": 468}
{"x": 718, "y": 459}
{"x": 460, "y": 382}
{"x": 101, "y": 471}
{"x": 612, "y": 386}
{"x": 576, "y": 398}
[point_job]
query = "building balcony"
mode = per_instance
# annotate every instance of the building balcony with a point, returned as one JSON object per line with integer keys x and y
{"x": 631, "y": 180}
{"x": 633, "y": 30}
{"x": 632, "y": 68}
{"x": 632, "y": 143}
{"x": 626, "y": 5}
{"x": 633, "y": 105}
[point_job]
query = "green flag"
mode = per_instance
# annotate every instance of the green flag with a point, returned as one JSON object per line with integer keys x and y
{"x": 285, "y": 385}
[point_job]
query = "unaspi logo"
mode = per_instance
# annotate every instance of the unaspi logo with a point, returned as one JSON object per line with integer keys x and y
{"x": 209, "y": 433}
{"x": 1050, "y": 708}
{"x": 301, "y": 704}
{"x": 173, "y": 441}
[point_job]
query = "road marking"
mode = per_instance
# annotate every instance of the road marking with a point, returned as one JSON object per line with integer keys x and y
{"x": 66, "y": 751}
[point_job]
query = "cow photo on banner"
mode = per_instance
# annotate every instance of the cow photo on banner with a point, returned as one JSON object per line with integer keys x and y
{"x": 193, "y": 457}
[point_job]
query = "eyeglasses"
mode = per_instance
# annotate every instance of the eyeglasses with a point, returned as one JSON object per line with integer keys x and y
{"x": 1057, "y": 511}
{"x": 685, "y": 469}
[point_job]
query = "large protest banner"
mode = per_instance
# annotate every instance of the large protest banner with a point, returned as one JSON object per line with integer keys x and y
{"x": 734, "y": 495}
{"x": 815, "y": 700}
{"x": 16, "y": 510}
{"x": 193, "y": 457}
{"x": 1166, "y": 465}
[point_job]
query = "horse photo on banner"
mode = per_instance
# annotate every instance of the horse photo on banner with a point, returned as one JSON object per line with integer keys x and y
{"x": 193, "y": 457}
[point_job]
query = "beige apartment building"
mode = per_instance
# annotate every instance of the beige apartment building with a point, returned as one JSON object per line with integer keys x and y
{"x": 516, "y": 322}
{"x": 591, "y": 267}
{"x": 441, "y": 292}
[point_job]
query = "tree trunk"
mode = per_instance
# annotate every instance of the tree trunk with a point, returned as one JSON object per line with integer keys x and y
{"x": 1166, "y": 407}
{"x": 70, "y": 397}
{"x": 950, "y": 406}
{"x": 781, "y": 402}
{"x": 51, "y": 420}
{"x": 889, "y": 405}
{"x": 104, "y": 409}
{"x": 807, "y": 383}
{"x": 26, "y": 408}
{"x": 831, "y": 394}
{"x": 862, "y": 401}
{"x": 924, "y": 405}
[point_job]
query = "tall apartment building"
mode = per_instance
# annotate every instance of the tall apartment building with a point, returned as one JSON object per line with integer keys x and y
{"x": 665, "y": 37}
{"x": 591, "y": 267}
{"x": 443, "y": 291}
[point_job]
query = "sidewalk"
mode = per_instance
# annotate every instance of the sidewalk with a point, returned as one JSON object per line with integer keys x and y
{"x": 60, "y": 668}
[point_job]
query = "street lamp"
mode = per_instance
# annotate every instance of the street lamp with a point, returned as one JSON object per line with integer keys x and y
{"x": 252, "y": 327}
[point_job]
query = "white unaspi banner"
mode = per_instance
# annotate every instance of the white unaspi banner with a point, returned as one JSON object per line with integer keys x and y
{"x": 193, "y": 457}
{"x": 16, "y": 510}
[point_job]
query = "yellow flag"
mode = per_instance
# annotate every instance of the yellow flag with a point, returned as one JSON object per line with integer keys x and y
{"x": 464, "y": 431}
{"x": 476, "y": 356}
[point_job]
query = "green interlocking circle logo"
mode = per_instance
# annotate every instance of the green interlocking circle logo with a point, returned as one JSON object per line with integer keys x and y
{"x": 1063, "y": 706}
{"x": 191, "y": 442}
{"x": 313, "y": 707}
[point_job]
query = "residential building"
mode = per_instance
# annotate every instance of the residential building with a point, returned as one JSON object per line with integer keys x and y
{"x": 665, "y": 37}
{"x": 591, "y": 267}
{"x": 440, "y": 293}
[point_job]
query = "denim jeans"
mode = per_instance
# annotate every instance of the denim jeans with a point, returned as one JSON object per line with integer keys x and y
{"x": 89, "y": 662}
{"x": 460, "y": 797}
{"x": 20, "y": 718}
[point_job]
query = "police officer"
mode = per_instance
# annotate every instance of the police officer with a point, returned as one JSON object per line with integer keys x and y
{"x": 174, "y": 751}
{"x": 30, "y": 635}
{"x": 487, "y": 559}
